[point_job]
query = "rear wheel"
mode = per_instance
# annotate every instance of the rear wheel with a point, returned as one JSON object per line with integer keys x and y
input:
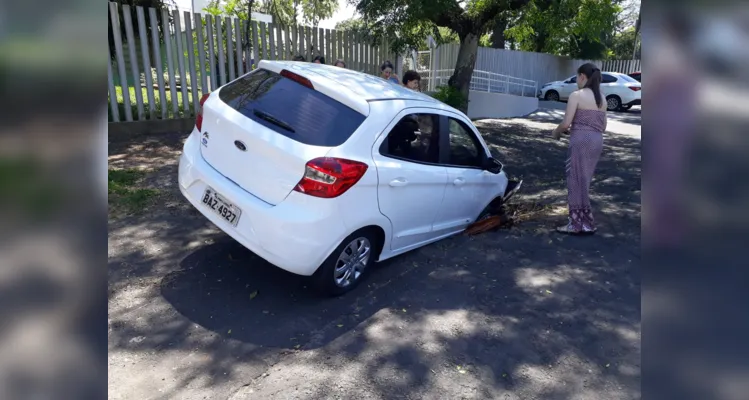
{"x": 552, "y": 95}
{"x": 348, "y": 265}
{"x": 613, "y": 103}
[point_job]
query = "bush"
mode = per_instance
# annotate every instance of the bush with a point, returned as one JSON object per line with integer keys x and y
{"x": 451, "y": 96}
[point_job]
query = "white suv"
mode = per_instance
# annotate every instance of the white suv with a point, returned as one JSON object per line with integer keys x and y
{"x": 621, "y": 91}
{"x": 322, "y": 170}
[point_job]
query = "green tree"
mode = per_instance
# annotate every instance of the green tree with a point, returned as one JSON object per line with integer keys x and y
{"x": 622, "y": 45}
{"x": 408, "y": 22}
{"x": 574, "y": 28}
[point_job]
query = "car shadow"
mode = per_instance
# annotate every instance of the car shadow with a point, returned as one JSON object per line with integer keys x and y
{"x": 224, "y": 288}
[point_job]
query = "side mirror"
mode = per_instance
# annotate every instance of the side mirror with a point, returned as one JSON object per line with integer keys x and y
{"x": 493, "y": 165}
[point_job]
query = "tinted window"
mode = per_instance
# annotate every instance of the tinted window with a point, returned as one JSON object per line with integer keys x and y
{"x": 414, "y": 138}
{"x": 573, "y": 79}
{"x": 464, "y": 147}
{"x": 608, "y": 78}
{"x": 292, "y": 110}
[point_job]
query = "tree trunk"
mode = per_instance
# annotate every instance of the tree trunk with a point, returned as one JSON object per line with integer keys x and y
{"x": 461, "y": 78}
{"x": 498, "y": 33}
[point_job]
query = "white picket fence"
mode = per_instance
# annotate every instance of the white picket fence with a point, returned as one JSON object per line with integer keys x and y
{"x": 164, "y": 74}
{"x": 482, "y": 81}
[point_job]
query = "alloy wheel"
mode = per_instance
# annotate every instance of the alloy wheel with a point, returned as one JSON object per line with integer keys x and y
{"x": 352, "y": 261}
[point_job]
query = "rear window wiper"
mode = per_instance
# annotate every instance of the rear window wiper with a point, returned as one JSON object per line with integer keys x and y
{"x": 273, "y": 120}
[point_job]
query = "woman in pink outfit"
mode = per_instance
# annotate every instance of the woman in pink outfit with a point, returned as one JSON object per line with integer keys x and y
{"x": 585, "y": 119}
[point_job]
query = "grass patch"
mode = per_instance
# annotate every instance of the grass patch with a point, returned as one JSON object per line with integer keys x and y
{"x": 158, "y": 104}
{"x": 124, "y": 195}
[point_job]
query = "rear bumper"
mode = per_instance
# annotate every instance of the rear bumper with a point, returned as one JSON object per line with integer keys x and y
{"x": 296, "y": 235}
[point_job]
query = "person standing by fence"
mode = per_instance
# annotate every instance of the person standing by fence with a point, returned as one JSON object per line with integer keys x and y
{"x": 387, "y": 72}
{"x": 586, "y": 116}
{"x": 412, "y": 80}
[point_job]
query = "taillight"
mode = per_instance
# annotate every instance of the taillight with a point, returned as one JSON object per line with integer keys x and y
{"x": 635, "y": 88}
{"x": 199, "y": 117}
{"x": 329, "y": 177}
{"x": 297, "y": 78}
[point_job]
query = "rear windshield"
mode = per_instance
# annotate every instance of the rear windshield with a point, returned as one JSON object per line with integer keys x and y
{"x": 291, "y": 109}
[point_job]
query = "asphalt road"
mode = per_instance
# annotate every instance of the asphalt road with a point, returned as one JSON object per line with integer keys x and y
{"x": 520, "y": 313}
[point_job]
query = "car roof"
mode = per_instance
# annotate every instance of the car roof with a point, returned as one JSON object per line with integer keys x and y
{"x": 350, "y": 87}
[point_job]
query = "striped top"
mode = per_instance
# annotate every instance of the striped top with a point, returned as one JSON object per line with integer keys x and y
{"x": 588, "y": 120}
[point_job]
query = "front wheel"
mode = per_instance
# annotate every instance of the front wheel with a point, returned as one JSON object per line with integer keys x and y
{"x": 613, "y": 103}
{"x": 342, "y": 271}
{"x": 552, "y": 95}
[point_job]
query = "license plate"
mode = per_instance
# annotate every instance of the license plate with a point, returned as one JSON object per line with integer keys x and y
{"x": 219, "y": 205}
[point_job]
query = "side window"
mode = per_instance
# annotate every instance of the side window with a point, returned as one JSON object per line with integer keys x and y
{"x": 573, "y": 79}
{"x": 414, "y": 138}
{"x": 608, "y": 79}
{"x": 464, "y": 147}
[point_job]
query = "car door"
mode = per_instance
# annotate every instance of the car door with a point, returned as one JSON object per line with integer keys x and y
{"x": 411, "y": 182}
{"x": 610, "y": 85}
{"x": 469, "y": 186}
{"x": 568, "y": 86}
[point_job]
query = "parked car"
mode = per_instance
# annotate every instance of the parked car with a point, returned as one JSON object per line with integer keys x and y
{"x": 636, "y": 76}
{"x": 621, "y": 91}
{"x": 322, "y": 171}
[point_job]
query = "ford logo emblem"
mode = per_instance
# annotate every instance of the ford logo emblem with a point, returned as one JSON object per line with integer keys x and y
{"x": 240, "y": 145}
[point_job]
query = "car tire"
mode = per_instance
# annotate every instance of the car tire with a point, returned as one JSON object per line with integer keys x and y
{"x": 333, "y": 277}
{"x": 551, "y": 95}
{"x": 613, "y": 103}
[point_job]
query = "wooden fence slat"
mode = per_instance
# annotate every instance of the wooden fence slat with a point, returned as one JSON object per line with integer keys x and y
{"x": 271, "y": 42}
{"x": 240, "y": 48}
{"x": 247, "y": 67}
{"x": 289, "y": 44}
{"x": 230, "y": 49}
{"x": 339, "y": 43}
{"x": 264, "y": 43}
{"x": 255, "y": 50}
{"x": 221, "y": 57}
{"x": 198, "y": 18}
{"x": 322, "y": 49}
{"x": 112, "y": 94}
{"x": 114, "y": 14}
{"x": 131, "y": 45}
{"x": 191, "y": 61}
{"x": 308, "y": 43}
{"x": 211, "y": 52}
{"x": 322, "y": 43}
{"x": 147, "y": 72}
{"x": 279, "y": 43}
{"x": 314, "y": 45}
{"x": 329, "y": 47}
{"x": 158, "y": 62}
{"x": 169, "y": 62}
{"x": 181, "y": 64}
{"x": 347, "y": 49}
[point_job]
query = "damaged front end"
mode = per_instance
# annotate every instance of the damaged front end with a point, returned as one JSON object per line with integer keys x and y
{"x": 494, "y": 215}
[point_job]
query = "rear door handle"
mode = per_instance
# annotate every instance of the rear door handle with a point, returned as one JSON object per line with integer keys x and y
{"x": 459, "y": 182}
{"x": 398, "y": 182}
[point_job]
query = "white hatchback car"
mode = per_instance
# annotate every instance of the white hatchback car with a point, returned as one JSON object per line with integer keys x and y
{"x": 621, "y": 91}
{"x": 322, "y": 170}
